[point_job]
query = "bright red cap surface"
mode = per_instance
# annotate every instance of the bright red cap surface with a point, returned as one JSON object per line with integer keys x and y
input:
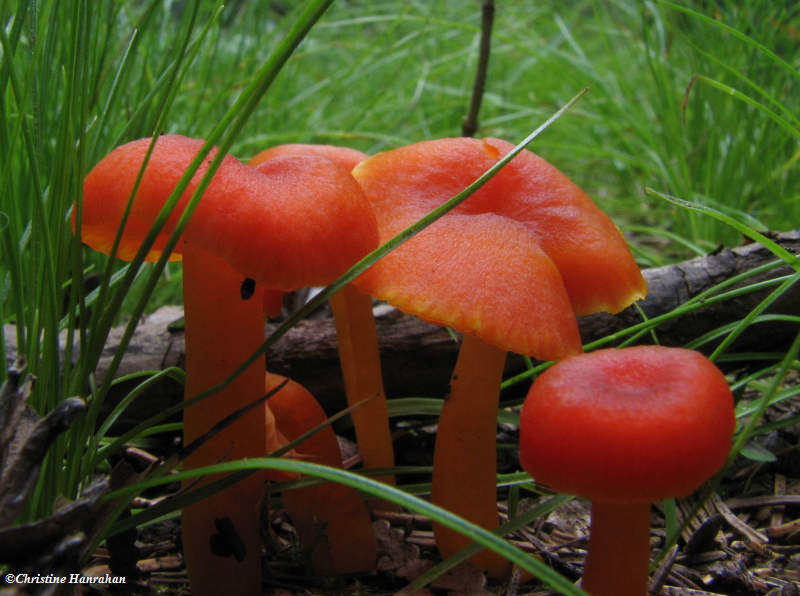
{"x": 299, "y": 220}
{"x": 529, "y": 234}
{"x": 628, "y": 425}
{"x": 344, "y": 156}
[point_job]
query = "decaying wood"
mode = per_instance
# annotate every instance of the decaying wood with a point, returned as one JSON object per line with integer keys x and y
{"x": 57, "y": 543}
{"x": 418, "y": 357}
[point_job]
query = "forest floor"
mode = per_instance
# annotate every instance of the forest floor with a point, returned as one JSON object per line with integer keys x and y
{"x": 745, "y": 540}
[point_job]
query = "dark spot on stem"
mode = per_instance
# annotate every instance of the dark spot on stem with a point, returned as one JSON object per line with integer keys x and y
{"x": 248, "y": 288}
{"x": 227, "y": 542}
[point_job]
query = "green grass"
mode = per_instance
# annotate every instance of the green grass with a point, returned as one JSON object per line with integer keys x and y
{"x": 697, "y": 104}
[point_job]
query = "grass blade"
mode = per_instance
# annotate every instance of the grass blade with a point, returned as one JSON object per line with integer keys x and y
{"x": 382, "y": 491}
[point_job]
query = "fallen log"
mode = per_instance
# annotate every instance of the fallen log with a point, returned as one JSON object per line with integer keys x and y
{"x": 417, "y": 357}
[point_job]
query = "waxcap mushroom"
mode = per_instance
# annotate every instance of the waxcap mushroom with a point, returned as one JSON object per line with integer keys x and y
{"x": 331, "y": 519}
{"x": 357, "y": 339}
{"x": 626, "y": 427}
{"x": 273, "y": 224}
{"x": 638, "y": 424}
{"x": 344, "y": 156}
{"x": 529, "y": 204}
{"x": 509, "y": 267}
{"x": 590, "y": 253}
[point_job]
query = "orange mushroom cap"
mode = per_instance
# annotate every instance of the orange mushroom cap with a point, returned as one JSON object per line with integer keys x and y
{"x": 529, "y": 239}
{"x": 273, "y": 224}
{"x": 630, "y": 425}
{"x": 332, "y": 520}
{"x": 344, "y": 156}
{"x": 481, "y": 275}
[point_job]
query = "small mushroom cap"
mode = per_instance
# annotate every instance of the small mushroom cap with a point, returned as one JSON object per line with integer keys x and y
{"x": 296, "y": 412}
{"x": 299, "y": 220}
{"x": 529, "y": 212}
{"x": 344, "y": 156}
{"x": 630, "y": 425}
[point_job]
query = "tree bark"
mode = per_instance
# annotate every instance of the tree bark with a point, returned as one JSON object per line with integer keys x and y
{"x": 418, "y": 357}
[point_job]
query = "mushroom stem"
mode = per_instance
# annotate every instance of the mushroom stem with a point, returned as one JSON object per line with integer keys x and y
{"x": 618, "y": 557}
{"x": 222, "y": 330}
{"x": 359, "y": 356}
{"x": 465, "y": 456}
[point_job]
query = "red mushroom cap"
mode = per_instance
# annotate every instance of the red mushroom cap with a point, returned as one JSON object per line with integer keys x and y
{"x": 627, "y": 425}
{"x": 483, "y": 276}
{"x": 281, "y": 224}
{"x": 344, "y": 156}
{"x": 529, "y": 239}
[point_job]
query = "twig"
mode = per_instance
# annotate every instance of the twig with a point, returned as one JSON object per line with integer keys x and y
{"x": 470, "y": 124}
{"x": 754, "y": 536}
{"x": 762, "y": 501}
{"x": 662, "y": 571}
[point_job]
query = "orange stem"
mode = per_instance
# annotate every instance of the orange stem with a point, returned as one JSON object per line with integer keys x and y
{"x": 361, "y": 369}
{"x": 331, "y": 519}
{"x": 465, "y": 456}
{"x": 222, "y": 330}
{"x": 618, "y": 559}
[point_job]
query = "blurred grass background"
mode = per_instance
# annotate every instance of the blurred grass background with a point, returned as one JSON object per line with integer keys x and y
{"x": 378, "y": 74}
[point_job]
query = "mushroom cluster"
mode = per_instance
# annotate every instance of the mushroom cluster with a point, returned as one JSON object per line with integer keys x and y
{"x": 510, "y": 269}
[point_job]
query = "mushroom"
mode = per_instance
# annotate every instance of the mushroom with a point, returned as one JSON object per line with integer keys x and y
{"x": 344, "y": 156}
{"x": 331, "y": 519}
{"x": 509, "y": 268}
{"x": 278, "y": 226}
{"x": 626, "y": 427}
{"x": 357, "y": 338}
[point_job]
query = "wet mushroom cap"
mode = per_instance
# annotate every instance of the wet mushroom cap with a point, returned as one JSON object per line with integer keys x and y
{"x": 631, "y": 425}
{"x": 529, "y": 203}
{"x": 481, "y": 275}
{"x": 107, "y": 188}
{"x": 344, "y": 156}
{"x": 273, "y": 224}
